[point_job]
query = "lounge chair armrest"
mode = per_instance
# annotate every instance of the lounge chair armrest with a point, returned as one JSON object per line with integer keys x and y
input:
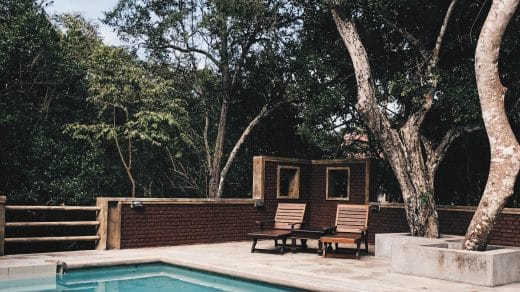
{"x": 296, "y": 223}
{"x": 329, "y": 229}
{"x": 262, "y": 222}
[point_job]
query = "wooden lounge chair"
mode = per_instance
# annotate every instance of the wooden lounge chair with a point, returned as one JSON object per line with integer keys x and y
{"x": 351, "y": 227}
{"x": 288, "y": 216}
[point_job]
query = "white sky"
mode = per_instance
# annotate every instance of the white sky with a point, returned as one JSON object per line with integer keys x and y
{"x": 92, "y": 10}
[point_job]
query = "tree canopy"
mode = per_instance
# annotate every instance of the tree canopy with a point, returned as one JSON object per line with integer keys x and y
{"x": 202, "y": 86}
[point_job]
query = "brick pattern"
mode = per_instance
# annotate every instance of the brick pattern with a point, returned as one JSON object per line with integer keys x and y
{"x": 506, "y": 231}
{"x": 174, "y": 224}
{"x": 386, "y": 220}
{"x": 159, "y": 225}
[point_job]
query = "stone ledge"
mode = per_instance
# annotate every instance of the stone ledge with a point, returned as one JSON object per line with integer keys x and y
{"x": 470, "y": 209}
{"x": 385, "y": 241}
{"x": 497, "y": 266}
{"x": 178, "y": 201}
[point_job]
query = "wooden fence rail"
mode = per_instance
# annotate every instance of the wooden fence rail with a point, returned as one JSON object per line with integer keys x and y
{"x": 98, "y": 222}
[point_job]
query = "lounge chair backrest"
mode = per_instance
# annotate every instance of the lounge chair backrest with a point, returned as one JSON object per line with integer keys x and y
{"x": 288, "y": 214}
{"x": 351, "y": 218}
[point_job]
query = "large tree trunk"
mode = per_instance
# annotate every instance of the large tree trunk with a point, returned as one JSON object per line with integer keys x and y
{"x": 402, "y": 147}
{"x": 505, "y": 150}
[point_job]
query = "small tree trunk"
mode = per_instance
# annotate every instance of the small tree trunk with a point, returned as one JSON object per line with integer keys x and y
{"x": 505, "y": 150}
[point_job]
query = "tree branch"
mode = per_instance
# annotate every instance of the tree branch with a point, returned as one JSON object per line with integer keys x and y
{"x": 245, "y": 50}
{"x": 264, "y": 112}
{"x": 438, "y": 44}
{"x": 205, "y": 135}
{"x": 367, "y": 105}
{"x": 416, "y": 119}
{"x": 438, "y": 154}
{"x": 409, "y": 37}
{"x": 189, "y": 50}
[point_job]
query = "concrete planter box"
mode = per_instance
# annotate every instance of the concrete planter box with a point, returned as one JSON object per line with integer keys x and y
{"x": 385, "y": 241}
{"x": 496, "y": 266}
{"x": 443, "y": 258}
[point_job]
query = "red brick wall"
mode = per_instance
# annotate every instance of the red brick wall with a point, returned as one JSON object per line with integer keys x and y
{"x": 386, "y": 220}
{"x": 172, "y": 224}
{"x": 322, "y": 212}
{"x": 506, "y": 231}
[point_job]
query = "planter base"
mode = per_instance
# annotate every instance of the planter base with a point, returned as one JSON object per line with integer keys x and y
{"x": 385, "y": 241}
{"x": 444, "y": 258}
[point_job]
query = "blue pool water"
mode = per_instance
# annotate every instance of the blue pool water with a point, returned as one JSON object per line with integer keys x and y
{"x": 150, "y": 277}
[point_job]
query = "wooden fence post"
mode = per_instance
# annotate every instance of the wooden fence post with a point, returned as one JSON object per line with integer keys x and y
{"x": 2, "y": 224}
{"x": 102, "y": 217}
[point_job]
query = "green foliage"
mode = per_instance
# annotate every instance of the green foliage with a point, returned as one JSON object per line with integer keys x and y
{"x": 131, "y": 102}
{"x": 42, "y": 89}
{"x": 65, "y": 96}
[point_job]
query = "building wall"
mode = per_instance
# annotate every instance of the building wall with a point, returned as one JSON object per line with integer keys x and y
{"x": 160, "y": 223}
{"x": 173, "y": 224}
{"x": 452, "y": 220}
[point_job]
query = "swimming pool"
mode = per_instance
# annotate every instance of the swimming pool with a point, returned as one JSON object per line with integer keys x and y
{"x": 148, "y": 277}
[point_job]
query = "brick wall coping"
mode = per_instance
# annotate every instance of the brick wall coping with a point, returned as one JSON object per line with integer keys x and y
{"x": 451, "y": 208}
{"x": 312, "y": 161}
{"x": 179, "y": 201}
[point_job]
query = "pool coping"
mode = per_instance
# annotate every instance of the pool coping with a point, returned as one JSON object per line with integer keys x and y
{"x": 287, "y": 282}
{"x": 303, "y": 271}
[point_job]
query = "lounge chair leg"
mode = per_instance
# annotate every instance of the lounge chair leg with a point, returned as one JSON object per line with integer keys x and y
{"x": 293, "y": 245}
{"x": 304, "y": 243}
{"x": 329, "y": 247}
{"x": 254, "y": 245}
{"x": 275, "y": 243}
{"x": 336, "y": 245}
{"x": 366, "y": 242}
{"x": 284, "y": 241}
{"x": 358, "y": 243}
{"x": 320, "y": 247}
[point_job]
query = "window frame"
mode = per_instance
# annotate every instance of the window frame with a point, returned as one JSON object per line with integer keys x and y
{"x": 296, "y": 177}
{"x": 331, "y": 198}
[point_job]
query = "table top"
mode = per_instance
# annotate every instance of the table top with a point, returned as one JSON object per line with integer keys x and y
{"x": 313, "y": 230}
{"x": 271, "y": 233}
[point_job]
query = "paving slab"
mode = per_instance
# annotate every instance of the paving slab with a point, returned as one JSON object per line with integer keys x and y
{"x": 303, "y": 270}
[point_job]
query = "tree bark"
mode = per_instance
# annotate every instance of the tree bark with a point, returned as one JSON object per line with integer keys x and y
{"x": 505, "y": 150}
{"x": 402, "y": 147}
{"x": 262, "y": 114}
{"x": 218, "y": 153}
{"x": 219, "y": 149}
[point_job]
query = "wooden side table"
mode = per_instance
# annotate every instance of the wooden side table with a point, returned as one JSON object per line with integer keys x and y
{"x": 309, "y": 233}
{"x": 342, "y": 237}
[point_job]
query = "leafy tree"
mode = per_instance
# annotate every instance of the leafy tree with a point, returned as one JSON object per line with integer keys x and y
{"x": 223, "y": 45}
{"x": 132, "y": 105}
{"x": 413, "y": 156}
{"x": 42, "y": 88}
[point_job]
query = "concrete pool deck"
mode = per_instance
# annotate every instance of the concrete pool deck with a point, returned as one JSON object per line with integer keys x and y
{"x": 303, "y": 270}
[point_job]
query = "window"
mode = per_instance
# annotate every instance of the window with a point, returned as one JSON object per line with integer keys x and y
{"x": 338, "y": 183}
{"x": 288, "y": 185}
